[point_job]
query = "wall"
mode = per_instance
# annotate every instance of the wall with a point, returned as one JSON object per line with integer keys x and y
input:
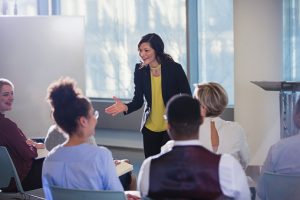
{"x": 34, "y": 51}
{"x": 258, "y": 57}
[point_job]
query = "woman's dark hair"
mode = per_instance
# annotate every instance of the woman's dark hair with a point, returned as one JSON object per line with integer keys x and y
{"x": 68, "y": 104}
{"x": 157, "y": 44}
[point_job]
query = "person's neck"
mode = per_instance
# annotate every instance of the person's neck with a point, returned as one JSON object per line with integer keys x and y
{"x": 185, "y": 137}
{"x": 75, "y": 139}
{"x": 154, "y": 65}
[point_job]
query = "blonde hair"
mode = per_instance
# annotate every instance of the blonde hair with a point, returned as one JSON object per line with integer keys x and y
{"x": 4, "y": 81}
{"x": 211, "y": 96}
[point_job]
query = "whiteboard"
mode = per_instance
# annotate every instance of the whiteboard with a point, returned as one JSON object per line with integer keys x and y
{"x": 34, "y": 51}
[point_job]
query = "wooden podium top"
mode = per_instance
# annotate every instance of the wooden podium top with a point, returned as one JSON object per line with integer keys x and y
{"x": 278, "y": 85}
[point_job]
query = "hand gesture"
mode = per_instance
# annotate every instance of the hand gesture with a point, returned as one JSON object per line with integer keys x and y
{"x": 30, "y": 142}
{"x": 116, "y": 108}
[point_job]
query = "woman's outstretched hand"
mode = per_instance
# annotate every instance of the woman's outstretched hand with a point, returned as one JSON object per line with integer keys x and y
{"x": 116, "y": 108}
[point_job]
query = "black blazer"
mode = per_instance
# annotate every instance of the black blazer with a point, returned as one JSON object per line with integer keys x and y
{"x": 174, "y": 81}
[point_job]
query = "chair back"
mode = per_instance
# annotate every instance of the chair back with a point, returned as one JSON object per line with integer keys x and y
{"x": 8, "y": 170}
{"x": 281, "y": 186}
{"x": 59, "y": 193}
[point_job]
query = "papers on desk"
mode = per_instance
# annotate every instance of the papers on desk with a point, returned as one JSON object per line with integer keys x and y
{"x": 123, "y": 168}
{"x": 42, "y": 153}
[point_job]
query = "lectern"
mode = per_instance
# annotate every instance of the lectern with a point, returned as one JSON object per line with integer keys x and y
{"x": 287, "y": 100}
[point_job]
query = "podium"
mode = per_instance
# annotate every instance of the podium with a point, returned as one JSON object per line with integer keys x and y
{"x": 287, "y": 99}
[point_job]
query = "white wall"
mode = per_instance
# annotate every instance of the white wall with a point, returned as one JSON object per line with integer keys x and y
{"x": 34, "y": 51}
{"x": 258, "y": 57}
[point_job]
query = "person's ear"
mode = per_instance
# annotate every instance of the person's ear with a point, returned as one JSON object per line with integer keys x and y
{"x": 203, "y": 111}
{"x": 83, "y": 121}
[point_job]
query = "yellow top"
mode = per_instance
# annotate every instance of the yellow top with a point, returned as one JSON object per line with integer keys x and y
{"x": 156, "y": 122}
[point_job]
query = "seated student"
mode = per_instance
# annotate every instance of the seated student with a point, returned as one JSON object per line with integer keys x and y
{"x": 76, "y": 164}
{"x": 283, "y": 157}
{"x": 55, "y": 136}
{"x": 23, "y": 151}
{"x": 188, "y": 170}
{"x": 218, "y": 135}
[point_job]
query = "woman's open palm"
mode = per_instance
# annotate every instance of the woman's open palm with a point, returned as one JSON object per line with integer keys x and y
{"x": 116, "y": 108}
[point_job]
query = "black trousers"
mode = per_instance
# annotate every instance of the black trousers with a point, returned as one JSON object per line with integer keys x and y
{"x": 125, "y": 180}
{"x": 153, "y": 141}
{"x": 33, "y": 180}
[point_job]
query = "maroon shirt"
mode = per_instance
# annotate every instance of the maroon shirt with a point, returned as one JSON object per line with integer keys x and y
{"x": 15, "y": 141}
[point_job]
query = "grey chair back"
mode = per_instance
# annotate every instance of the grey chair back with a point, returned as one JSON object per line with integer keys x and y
{"x": 59, "y": 193}
{"x": 281, "y": 186}
{"x": 8, "y": 171}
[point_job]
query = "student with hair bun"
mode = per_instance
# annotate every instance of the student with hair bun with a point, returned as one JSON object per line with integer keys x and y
{"x": 76, "y": 164}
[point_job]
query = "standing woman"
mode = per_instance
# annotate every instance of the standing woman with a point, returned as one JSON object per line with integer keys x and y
{"x": 156, "y": 80}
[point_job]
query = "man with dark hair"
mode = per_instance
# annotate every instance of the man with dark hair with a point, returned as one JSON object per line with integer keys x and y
{"x": 188, "y": 170}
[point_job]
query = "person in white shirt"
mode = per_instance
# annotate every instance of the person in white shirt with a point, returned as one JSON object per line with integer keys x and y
{"x": 218, "y": 135}
{"x": 188, "y": 170}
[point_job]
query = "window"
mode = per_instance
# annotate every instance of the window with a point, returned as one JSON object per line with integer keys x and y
{"x": 215, "y": 44}
{"x": 14, "y": 7}
{"x": 291, "y": 40}
{"x": 113, "y": 30}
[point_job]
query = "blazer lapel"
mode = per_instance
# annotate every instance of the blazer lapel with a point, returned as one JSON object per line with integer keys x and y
{"x": 164, "y": 80}
{"x": 147, "y": 83}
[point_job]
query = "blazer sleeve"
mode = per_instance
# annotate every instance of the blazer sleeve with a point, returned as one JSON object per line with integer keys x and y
{"x": 138, "y": 97}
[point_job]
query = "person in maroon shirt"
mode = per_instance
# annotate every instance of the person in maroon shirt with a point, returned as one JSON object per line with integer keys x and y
{"x": 23, "y": 151}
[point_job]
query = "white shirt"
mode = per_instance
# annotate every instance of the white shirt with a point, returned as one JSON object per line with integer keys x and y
{"x": 232, "y": 138}
{"x": 232, "y": 177}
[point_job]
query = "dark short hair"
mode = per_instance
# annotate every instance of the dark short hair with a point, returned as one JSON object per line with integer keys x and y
{"x": 183, "y": 114}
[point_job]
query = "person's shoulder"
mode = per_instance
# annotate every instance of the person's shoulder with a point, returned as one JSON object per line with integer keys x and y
{"x": 171, "y": 64}
{"x": 7, "y": 122}
{"x": 99, "y": 149}
{"x": 231, "y": 126}
{"x": 8, "y": 125}
{"x": 287, "y": 142}
{"x": 139, "y": 66}
{"x": 52, "y": 154}
{"x": 228, "y": 160}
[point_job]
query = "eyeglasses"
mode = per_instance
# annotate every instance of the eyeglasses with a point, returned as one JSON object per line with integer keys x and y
{"x": 96, "y": 114}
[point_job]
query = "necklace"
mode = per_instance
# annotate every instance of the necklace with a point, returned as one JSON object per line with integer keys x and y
{"x": 155, "y": 71}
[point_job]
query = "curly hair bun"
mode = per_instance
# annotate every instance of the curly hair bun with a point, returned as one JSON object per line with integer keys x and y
{"x": 63, "y": 92}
